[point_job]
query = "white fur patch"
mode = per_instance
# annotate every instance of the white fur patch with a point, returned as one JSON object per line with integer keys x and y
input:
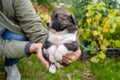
{"x": 61, "y": 50}
{"x": 62, "y": 37}
{"x": 51, "y": 51}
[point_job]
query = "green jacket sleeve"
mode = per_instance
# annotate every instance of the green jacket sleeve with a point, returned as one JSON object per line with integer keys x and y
{"x": 29, "y": 21}
{"x": 12, "y": 48}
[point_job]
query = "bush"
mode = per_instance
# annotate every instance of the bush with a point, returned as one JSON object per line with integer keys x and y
{"x": 99, "y": 28}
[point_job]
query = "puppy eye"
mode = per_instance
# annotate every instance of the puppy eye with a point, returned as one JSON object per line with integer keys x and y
{"x": 60, "y": 19}
{"x": 47, "y": 24}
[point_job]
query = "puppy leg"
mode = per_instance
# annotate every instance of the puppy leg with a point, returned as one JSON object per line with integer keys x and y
{"x": 51, "y": 51}
{"x": 57, "y": 64}
{"x": 61, "y": 50}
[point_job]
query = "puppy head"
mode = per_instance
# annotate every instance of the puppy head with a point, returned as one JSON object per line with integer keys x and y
{"x": 61, "y": 19}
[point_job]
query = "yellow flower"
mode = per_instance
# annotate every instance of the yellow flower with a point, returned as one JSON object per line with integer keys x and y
{"x": 89, "y": 20}
{"x": 45, "y": 16}
{"x": 95, "y": 33}
{"x": 105, "y": 29}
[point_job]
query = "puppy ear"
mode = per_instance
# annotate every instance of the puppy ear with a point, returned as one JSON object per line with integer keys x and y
{"x": 74, "y": 20}
{"x": 54, "y": 15}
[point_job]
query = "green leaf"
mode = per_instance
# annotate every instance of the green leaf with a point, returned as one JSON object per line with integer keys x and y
{"x": 98, "y": 16}
{"x": 90, "y": 13}
{"x": 94, "y": 43}
{"x": 102, "y": 55}
{"x": 103, "y": 47}
{"x": 114, "y": 25}
{"x": 101, "y": 4}
{"x": 117, "y": 43}
{"x": 112, "y": 29}
{"x": 95, "y": 59}
{"x": 106, "y": 42}
{"x": 89, "y": 7}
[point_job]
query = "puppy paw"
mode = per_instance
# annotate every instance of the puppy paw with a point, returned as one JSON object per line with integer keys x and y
{"x": 57, "y": 64}
{"x": 58, "y": 57}
{"x": 52, "y": 68}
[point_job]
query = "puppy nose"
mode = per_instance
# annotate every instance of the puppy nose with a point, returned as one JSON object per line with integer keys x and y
{"x": 47, "y": 24}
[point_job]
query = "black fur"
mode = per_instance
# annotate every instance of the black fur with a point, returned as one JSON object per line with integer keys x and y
{"x": 57, "y": 26}
{"x": 73, "y": 20}
{"x": 73, "y": 46}
{"x": 46, "y": 46}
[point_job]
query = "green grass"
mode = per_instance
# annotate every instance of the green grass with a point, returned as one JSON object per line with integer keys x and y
{"x": 2, "y": 72}
{"x": 32, "y": 69}
{"x": 106, "y": 70}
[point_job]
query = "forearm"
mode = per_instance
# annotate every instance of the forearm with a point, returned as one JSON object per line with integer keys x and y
{"x": 12, "y": 49}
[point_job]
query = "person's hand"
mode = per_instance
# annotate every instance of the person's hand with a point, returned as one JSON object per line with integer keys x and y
{"x": 37, "y": 47}
{"x": 71, "y": 57}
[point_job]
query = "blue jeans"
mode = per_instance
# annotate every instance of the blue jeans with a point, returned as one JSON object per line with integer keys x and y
{"x": 10, "y": 35}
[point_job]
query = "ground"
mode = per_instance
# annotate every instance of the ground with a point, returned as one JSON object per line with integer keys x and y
{"x": 32, "y": 69}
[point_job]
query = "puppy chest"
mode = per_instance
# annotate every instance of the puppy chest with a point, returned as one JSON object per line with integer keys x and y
{"x": 61, "y": 38}
{"x": 56, "y": 39}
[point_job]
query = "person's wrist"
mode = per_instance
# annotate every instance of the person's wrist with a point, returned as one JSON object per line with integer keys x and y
{"x": 34, "y": 47}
